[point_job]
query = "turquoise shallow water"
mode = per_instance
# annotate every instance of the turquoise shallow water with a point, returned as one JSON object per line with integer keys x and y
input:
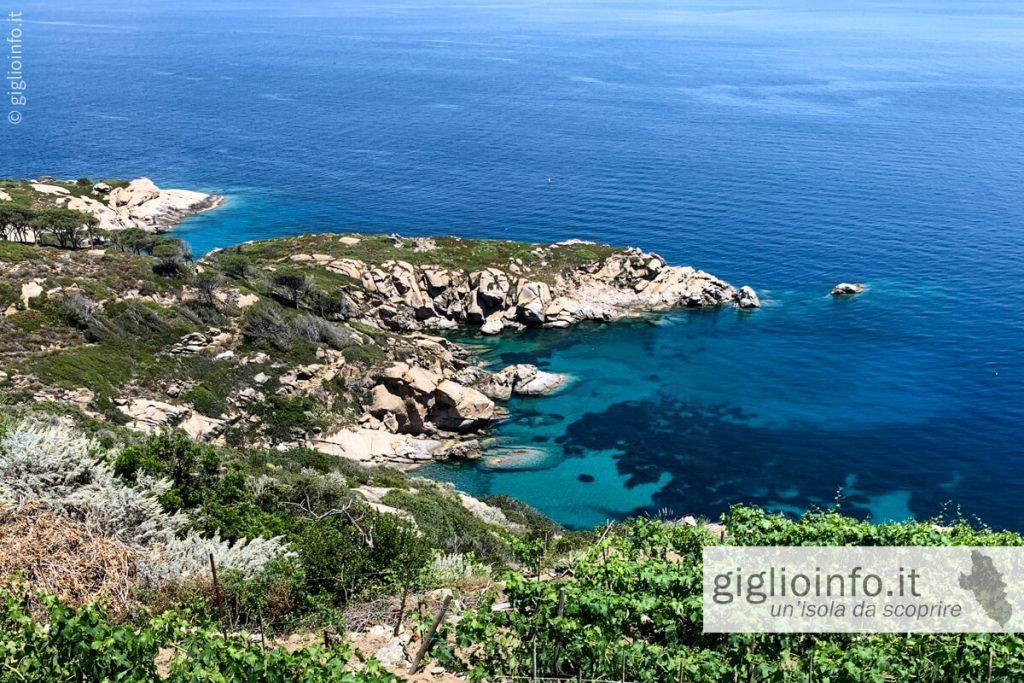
{"x": 787, "y": 145}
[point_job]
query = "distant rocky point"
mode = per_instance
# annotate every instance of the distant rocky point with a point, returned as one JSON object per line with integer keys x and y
{"x": 117, "y": 205}
{"x": 442, "y": 283}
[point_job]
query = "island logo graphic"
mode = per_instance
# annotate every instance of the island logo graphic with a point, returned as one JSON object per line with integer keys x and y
{"x": 988, "y": 587}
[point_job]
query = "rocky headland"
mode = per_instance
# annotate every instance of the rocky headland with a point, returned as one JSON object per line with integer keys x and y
{"x": 320, "y": 341}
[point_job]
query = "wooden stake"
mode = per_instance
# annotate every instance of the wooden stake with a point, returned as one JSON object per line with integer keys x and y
{"x": 430, "y": 634}
{"x": 750, "y": 666}
{"x": 216, "y": 596}
{"x": 989, "y": 680}
{"x": 558, "y": 646}
{"x": 535, "y": 661}
{"x": 401, "y": 606}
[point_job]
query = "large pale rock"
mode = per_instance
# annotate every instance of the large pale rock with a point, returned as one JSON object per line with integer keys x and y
{"x": 30, "y": 290}
{"x": 43, "y": 188}
{"x": 151, "y": 416}
{"x": 847, "y": 289}
{"x": 348, "y": 267}
{"x": 201, "y": 427}
{"x": 532, "y": 299}
{"x": 563, "y": 311}
{"x": 405, "y": 380}
{"x": 460, "y": 408}
{"x": 398, "y": 414}
{"x": 138, "y": 192}
{"x": 384, "y": 402}
{"x": 170, "y": 207}
{"x": 143, "y": 205}
{"x": 520, "y": 380}
{"x": 107, "y": 217}
{"x": 465, "y": 450}
{"x": 375, "y": 446}
{"x": 485, "y": 512}
{"x": 421, "y": 380}
{"x": 492, "y": 287}
{"x": 437, "y": 280}
{"x": 748, "y": 298}
{"x": 493, "y": 325}
{"x": 530, "y": 381}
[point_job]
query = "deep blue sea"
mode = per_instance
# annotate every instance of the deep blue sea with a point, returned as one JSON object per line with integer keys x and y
{"x": 784, "y": 144}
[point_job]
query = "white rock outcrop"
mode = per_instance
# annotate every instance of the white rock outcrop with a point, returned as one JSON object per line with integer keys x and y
{"x": 150, "y": 417}
{"x": 748, "y": 298}
{"x": 141, "y": 205}
{"x": 374, "y": 446}
{"x": 847, "y": 289}
{"x": 520, "y": 380}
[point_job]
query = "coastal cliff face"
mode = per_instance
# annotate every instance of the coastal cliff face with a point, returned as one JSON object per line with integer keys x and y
{"x": 318, "y": 341}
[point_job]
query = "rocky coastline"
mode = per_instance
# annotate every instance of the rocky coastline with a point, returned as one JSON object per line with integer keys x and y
{"x": 438, "y": 401}
{"x": 404, "y": 297}
{"x": 332, "y": 335}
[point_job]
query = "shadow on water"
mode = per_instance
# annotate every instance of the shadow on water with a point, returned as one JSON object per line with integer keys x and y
{"x": 717, "y": 456}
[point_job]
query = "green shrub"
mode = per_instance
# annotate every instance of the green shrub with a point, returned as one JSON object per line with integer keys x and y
{"x": 82, "y": 645}
{"x": 235, "y": 265}
{"x": 286, "y": 418}
{"x": 633, "y": 609}
{"x": 205, "y": 401}
{"x": 447, "y": 525}
{"x": 192, "y": 467}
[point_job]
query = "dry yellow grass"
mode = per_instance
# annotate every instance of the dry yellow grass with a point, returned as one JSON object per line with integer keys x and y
{"x": 40, "y": 550}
